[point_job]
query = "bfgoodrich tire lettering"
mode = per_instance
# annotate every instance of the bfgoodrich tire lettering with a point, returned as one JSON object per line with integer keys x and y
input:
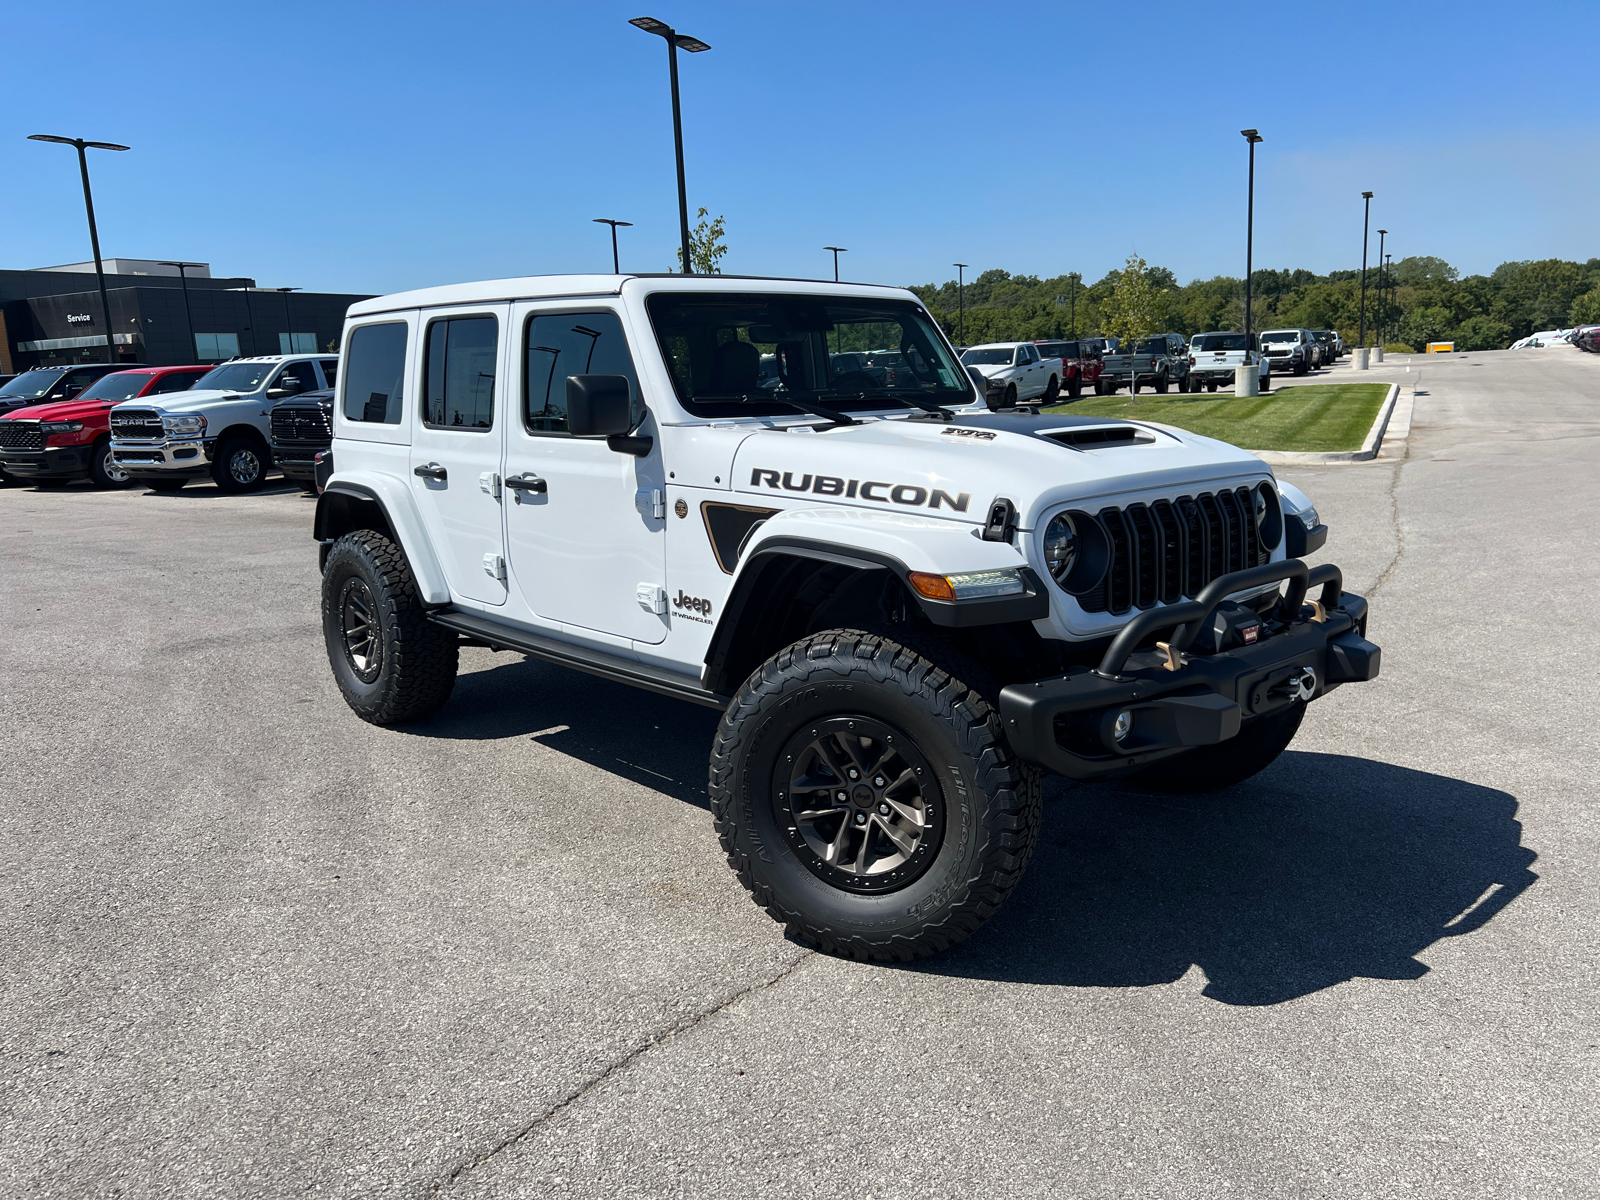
{"x": 986, "y": 802}
{"x": 390, "y": 662}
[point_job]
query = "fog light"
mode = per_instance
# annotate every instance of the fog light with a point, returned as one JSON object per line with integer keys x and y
{"x": 1123, "y": 725}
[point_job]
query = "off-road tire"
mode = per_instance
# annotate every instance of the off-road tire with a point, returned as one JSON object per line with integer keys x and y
{"x": 101, "y": 466}
{"x": 1212, "y": 768}
{"x": 988, "y": 832}
{"x": 165, "y": 485}
{"x": 1052, "y": 390}
{"x": 1074, "y": 388}
{"x": 1161, "y": 384}
{"x": 231, "y": 476}
{"x": 416, "y": 660}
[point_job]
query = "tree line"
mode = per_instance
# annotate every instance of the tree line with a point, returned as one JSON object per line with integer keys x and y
{"x": 1423, "y": 300}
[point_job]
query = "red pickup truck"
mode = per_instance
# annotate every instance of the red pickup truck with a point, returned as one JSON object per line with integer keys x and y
{"x": 1080, "y": 363}
{"x": 52, "y": 444}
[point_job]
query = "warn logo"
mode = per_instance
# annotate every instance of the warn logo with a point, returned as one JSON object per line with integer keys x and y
{"x": 909, "y": 494}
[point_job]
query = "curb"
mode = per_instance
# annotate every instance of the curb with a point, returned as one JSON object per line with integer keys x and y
{"x": 1369, "y": 448}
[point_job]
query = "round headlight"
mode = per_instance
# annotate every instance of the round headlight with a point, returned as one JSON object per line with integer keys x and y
{"x": 1060, "y": 547}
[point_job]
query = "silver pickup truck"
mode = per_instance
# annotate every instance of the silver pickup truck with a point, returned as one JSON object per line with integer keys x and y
{"x": 1157, "y": 361}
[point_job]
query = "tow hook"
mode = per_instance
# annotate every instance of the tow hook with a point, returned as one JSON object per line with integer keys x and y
{"x": 1301, "y": 686}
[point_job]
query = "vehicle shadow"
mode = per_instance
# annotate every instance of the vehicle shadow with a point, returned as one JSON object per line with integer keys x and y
{"x": 1323, "y": 868}
{"x": 648, "y": 739}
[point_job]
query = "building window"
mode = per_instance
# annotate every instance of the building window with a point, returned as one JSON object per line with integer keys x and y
{"x": 297, "y": 343}
{"x": 214, "y": 347}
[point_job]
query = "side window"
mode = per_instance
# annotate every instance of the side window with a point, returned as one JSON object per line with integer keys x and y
{"x": 178, "y": 381}
{"x": 330, "y": 371}
{"x": 563, "y": 344}
{"x": 79, "y": 380}
{"x": 296, "y": 378}
{"x": 459, "y": 373}
{"x": 375, "y": 372}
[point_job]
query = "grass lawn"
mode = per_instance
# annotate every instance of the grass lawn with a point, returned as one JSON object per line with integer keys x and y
{"x": 1317, "y": 416}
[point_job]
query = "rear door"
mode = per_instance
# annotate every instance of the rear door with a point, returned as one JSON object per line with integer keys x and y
{"x": 455, "y": 447}
{"x": 587, "y": 542}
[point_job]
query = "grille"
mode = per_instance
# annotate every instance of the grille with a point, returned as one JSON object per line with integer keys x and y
{"x": 21, "y": 435}
{"x": 301, "y": 425}
{"x": 1168, "y": 550}
{"x": 141, "y": 423}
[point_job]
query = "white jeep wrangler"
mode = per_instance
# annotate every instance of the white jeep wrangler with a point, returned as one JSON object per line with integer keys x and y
{"x": 904, "y": 605}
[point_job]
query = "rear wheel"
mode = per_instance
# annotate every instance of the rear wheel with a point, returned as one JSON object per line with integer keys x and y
{"x": 1075, "y": 387}
{"x": 165, "y": 485}
{"x": 240, "y": 465}
{"x": 104, "y": 470}
{"x": 390, "y": 662}
{"x": 1211, "y": 387}
{"x": 1160, "y": 386}
{"x": 868, "y": 799}
{"x": 1212, "y": 768}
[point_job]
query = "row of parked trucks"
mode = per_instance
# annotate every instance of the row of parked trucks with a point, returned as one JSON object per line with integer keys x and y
{"x": 1038, "y": 372}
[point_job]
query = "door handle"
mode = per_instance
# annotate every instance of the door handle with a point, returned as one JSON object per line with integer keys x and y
{"x": 432, "y": 471}
{"x": 527, "y": 482}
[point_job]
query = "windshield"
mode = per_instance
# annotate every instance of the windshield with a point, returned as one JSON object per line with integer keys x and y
{"x": 117, "y": 386}
{"x": 235, "y": 377}
{"x": 1281, "y": 335}
{"x": 998, "y": 357}
{"x": 1218, "y": 342}
{"x": 31, "y": 384}
{"x": 729, "y": 352}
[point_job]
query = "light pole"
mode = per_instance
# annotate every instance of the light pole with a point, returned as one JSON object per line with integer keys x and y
{"x": 1361, "y": 341}
{"x": 961, "y": 300}
{"x": 194, "y": 351}
{"x": 1253, "y": 137}
{"x": 1072, "y": 291}
{"x": 1377, "y": 320}
{"x": 674, "y": 39}
{"x": 616, "y": 265}
{"x": 88, "y": 204}
{"x": 1389, "y": 276}
{"x": 837, "y": 250}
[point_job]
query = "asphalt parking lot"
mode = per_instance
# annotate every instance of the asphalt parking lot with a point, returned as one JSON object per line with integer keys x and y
{"x": 255, "y": 947}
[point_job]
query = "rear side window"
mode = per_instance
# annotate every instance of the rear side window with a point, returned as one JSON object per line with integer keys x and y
{"x": 563, "y": 344}
{"x": 330, "y": 371}
{"x": 459, "y": 373}
{"x": 375, "y": 372}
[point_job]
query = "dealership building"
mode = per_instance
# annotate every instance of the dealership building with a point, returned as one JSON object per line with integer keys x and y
{"x": 52, "y": 316}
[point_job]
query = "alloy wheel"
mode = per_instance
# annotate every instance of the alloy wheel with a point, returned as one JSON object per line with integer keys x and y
{"x": 244, "y": 465}
{"x": 363, "y": 638}
{"x": 859, "y": 804}
{"x": 112, "y": 469}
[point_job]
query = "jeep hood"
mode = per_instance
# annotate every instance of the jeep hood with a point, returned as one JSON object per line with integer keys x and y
{"x": 955, "y": 470}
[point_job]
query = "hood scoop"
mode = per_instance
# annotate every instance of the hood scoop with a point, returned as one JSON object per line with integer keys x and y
{"x": 1104, "y": 437}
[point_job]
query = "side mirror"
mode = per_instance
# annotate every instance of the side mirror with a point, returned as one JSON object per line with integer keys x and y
{"x": 599, "y": 404}
{"x": 277, "y": 393}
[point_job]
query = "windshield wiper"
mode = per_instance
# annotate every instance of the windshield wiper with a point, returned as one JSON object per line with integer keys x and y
{"x": 939, "y": 410}
{"x": 809, "y": 406}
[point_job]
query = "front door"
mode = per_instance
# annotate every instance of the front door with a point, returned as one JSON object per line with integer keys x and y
{"x": 455, "y": 448}
{"x": 585, "y": 531}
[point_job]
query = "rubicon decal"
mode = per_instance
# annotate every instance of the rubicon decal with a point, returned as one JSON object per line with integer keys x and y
{"x": 910, "y": 494}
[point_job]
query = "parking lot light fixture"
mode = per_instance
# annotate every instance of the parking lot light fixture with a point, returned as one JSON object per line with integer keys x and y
{"x": 1377, "y": 320}
{"x": 194, "y": 351}
{"x": 837, "y": 250}
{"x": 674, "y": 41}
{"x": 961, "y": 301}
{"x": 1253, "y": 137}
{"x": 94, "y": 235}
{"x": 1361, "y": 340}
{"x": 616, "y": 264}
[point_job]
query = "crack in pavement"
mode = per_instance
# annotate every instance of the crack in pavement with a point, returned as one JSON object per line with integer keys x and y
{"x": 439, "y": 1183}
{"x": 1394, "y": 512}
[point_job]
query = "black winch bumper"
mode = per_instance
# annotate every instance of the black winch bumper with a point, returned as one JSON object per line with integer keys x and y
{"x": 1171, "y": 699}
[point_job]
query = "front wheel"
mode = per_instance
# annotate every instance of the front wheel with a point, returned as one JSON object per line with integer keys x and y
{"x": 104, "y": 470}
{"x": 390, "y": 662}
{"x": 1052, "y": 390}
{"x": 1010, "y": 398}
{"x": 1075, "y": 388}
{"x": 240, "y": 465}
{"x": 868, "y": 799}
{"x": 1211, "y": 768}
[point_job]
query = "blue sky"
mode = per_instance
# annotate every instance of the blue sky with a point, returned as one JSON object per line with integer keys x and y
{"x": 373, "y": 147}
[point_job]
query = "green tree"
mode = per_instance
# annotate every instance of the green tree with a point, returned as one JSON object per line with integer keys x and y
{"x": 1137, "y": 305}
{"x": 1586, "y": 308}
{"x": 706, "y": 247}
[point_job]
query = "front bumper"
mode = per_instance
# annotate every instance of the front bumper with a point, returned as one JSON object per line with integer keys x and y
{"x": 188, "y": 457}
{"x": 1066, "y": 724}
{"x": 297, "y": 460}
{"x": 67, "y": 462}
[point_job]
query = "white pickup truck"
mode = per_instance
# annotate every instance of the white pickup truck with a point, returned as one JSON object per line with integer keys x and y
{"x": 1215, "y": 357}
{"x": 1014, "y": 373}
